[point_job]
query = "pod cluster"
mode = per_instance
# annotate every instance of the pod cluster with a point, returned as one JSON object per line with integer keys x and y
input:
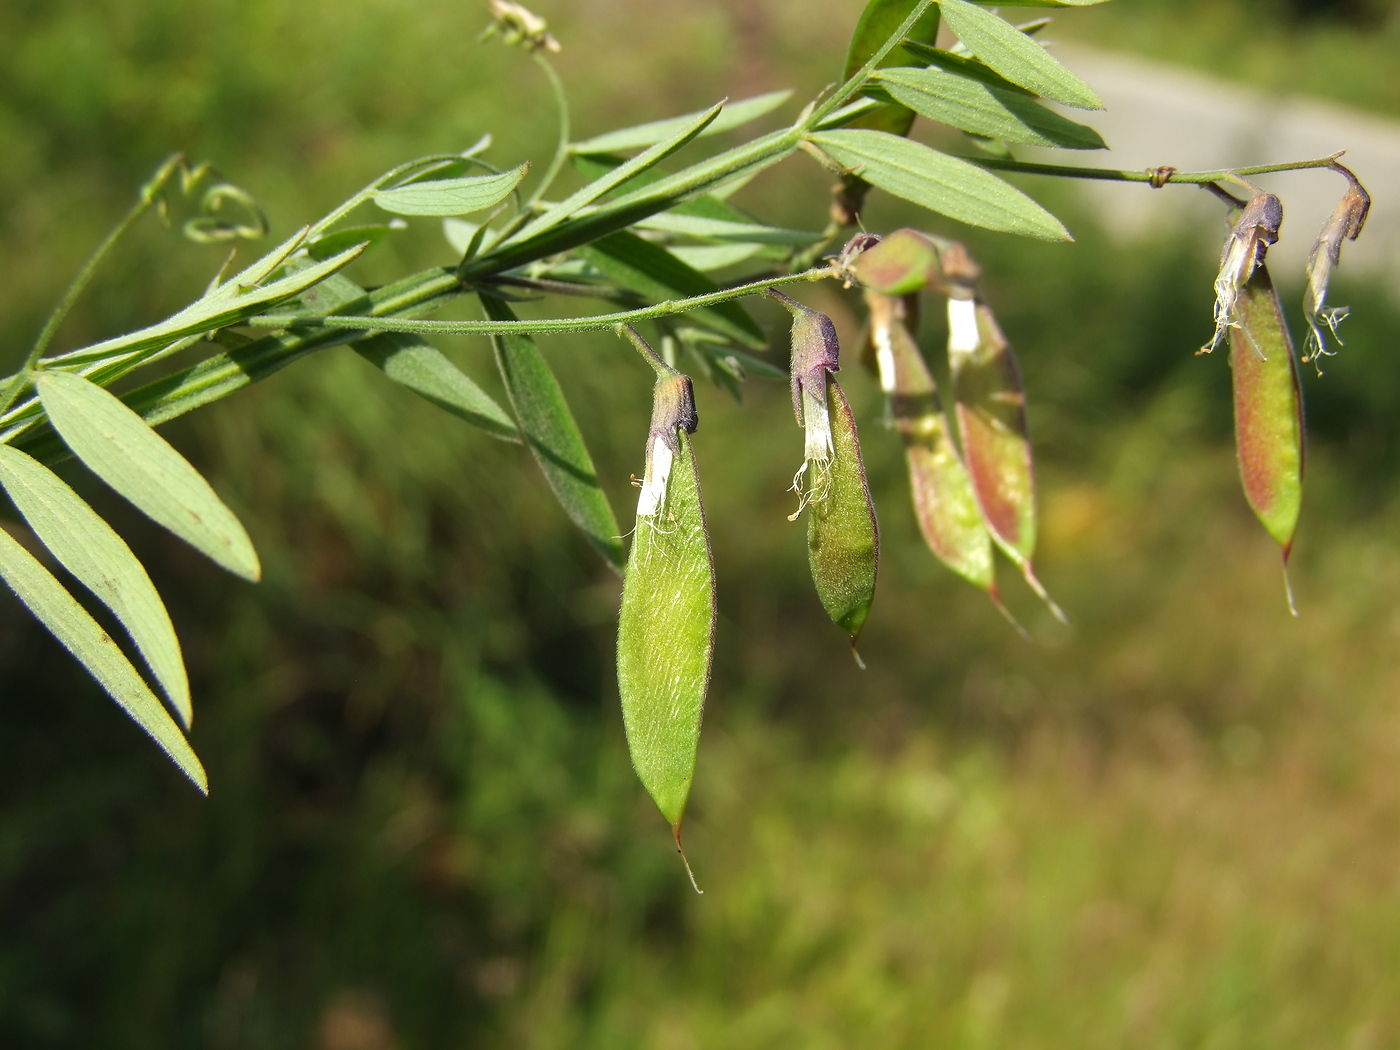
{"x": 972, "y": 477}
{"x": 1268, "y": 402}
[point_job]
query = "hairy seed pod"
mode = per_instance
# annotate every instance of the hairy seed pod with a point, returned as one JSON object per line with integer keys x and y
{"x": 843, "y": 537}
{"x": 944, "y": 501}
{"x": 1268, "y": 411}
{"x": 667, "y": 622}
{"x": 990, "y": 405}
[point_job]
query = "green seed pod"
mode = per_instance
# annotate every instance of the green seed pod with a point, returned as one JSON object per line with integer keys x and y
{"x": 944, "y": 501}
{"x": 843, "y": 537}
{"x": 904, "y": 262}
{"x": 667, "y": 623}
{"x": 1268, "y": 410}
{"x": 991, "y": 412}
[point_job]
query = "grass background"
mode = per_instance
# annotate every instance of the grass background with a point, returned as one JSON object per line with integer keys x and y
{"x": 1174, "y": 824}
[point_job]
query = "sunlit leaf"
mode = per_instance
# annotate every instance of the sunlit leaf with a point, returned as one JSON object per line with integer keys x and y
{"x": 553, "y": 436}
{"x": 81, "y": 635}
{"x": 101, "y": 561}
{"x": 1015, "y": 55}
{"x": 116, "y": 444}
{"x": 733, "y": 115}
{"x": 939, "y": 182}
{"x": 982, "y": 109}
{"x": 450, "y": 196}
{"x": 410, "y": 361}
{"x": 609, "y": 181}
{"x": 229, "y": 304}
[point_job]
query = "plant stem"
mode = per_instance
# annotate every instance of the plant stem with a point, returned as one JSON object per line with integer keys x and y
{"x": 561, "y": 151}
{"x": 659, "y": 366}
{"x": 545, "y": 326}
{"x": 1158, "y": 176}
{"x": 146, "y": 196}
{"x": 858, "y": 79}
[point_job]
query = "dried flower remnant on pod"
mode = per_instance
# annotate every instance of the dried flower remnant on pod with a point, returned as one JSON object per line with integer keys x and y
{"x": 1245, "y": 248}
{"x": 1346, "y": 221}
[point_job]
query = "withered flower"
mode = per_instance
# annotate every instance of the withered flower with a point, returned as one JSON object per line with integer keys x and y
{"x": 517, "y": 24}
{"x": 1245, "y": 247}
{"x": 1346, "y": 221}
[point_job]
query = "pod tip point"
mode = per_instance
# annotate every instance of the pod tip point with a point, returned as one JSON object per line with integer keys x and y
{"x": 676, "y": 834}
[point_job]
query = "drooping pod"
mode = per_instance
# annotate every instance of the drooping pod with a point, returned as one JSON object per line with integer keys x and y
{"x": 990, "y": 406}
{"x": 944, "y": 501}
{"x": 843, "y": 537}
{"x": 1268, "y": 411}
{"x": 667, "y": 621}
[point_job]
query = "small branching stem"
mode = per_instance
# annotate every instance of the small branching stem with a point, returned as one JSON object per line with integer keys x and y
{"x": 544, "y": 326}
{"x": 1157, "y": 177}
{"x": 146, "y": 197}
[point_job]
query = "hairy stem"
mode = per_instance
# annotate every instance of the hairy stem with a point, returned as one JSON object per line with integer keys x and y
{"x": 145, "y": 198}
{"x": 858, "y": 79}
{"x": 1156, "y": 176}
{"x": 543, "y": 326}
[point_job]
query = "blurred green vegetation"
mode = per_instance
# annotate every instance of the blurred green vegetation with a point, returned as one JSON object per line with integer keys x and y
{"x": 1174, "y": 824}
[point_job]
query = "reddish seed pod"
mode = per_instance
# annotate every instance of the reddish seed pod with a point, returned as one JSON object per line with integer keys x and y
{"x": 991, "y": 413}
{"x": 944, "y": 502}
{"x": 904, "y": 262}
{"x": 1268, "y": 411}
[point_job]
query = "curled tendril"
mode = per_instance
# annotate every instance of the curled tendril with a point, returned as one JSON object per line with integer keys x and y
{"x": 204, "y": 184}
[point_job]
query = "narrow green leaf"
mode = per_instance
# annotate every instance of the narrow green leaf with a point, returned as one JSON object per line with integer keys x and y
{"x": 553, "y": 436}
{"x": 939, "y": 182}
{"x": 409, "y": 360}
{"x": 228, "y": 304}
{"x": 666, "y": 635}
{"x": 1015, "y": 55}
{"x": 606, "y": 183}
{"x": 333, "y": 244}
{"x": 733, "y": 115}
{"x": 880, "y": 19}
{"x": 709, "y": 257}
{"x": 117, "y": 445}
{"x": 81, "y": 635}
{"x": 101, "y": 561}
{"x": 654, "y": 272}
{"x": 969, "y": 105}
{"x": 450, "y": 196}
{"x": 965, "y": 66}
{"x": 708, "y": 176}
{"x": 726, "y": 230}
